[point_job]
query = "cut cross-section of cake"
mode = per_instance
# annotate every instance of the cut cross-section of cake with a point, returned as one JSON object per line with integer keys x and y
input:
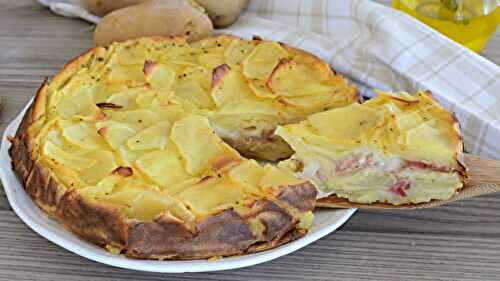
{"x": 395, "y": 148}
{"x": 257, "y": 85}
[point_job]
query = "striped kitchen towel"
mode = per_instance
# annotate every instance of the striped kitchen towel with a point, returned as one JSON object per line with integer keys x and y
{"x": 377, "y": 47}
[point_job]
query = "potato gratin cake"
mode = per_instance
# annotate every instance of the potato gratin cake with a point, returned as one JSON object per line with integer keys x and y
{"x": 145, "y": 147}
{"x": 395, "y": 149}
{"x": 135, "y": 146}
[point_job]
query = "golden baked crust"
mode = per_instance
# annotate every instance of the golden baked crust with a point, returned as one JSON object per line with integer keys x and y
{"x": 282, "y": 214}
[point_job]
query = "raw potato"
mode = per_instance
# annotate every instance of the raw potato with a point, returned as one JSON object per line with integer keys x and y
{"x": 154, "y": 18}
{"x": 103, "y": 7}
{"x": 223, "y": 12}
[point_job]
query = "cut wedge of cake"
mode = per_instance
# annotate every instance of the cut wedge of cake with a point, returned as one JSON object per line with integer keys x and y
{"x": 395, "y": 148}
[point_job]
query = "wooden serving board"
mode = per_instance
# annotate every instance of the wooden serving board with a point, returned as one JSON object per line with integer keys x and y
{"x": 483, "y": 178}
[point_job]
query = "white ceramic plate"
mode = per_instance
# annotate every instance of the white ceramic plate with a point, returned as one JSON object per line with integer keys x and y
{"x": 325, "y": 222}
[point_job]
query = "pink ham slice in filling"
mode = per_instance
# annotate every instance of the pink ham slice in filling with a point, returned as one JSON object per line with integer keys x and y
{"x": 400, "y": 187}
{"x": 357, "y": 162}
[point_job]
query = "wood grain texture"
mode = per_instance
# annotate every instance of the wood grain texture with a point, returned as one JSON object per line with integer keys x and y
{"x": 459, "y": 241}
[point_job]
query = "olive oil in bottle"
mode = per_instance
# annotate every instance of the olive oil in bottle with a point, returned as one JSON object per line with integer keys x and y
{"x": 468, "y": 22}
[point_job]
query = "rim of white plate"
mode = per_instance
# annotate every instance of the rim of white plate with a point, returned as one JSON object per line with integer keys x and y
{"x": 48, "y": 228}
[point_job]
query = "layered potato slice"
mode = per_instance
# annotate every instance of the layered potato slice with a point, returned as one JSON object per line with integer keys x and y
{"x": 125, "y": 147}
{"x": 395, "y": 148}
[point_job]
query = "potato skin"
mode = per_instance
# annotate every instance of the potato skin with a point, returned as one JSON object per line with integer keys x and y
{"x": 223, "y": 12}
{"x": 103, "y": 7}
{"x": 154, "y": 18}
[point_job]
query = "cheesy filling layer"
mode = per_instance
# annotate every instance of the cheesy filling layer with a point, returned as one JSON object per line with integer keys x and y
{"x": 365, "y": 176}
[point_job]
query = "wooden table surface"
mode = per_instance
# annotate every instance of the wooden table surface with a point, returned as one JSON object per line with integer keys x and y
{"x": 456, "y": 242}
